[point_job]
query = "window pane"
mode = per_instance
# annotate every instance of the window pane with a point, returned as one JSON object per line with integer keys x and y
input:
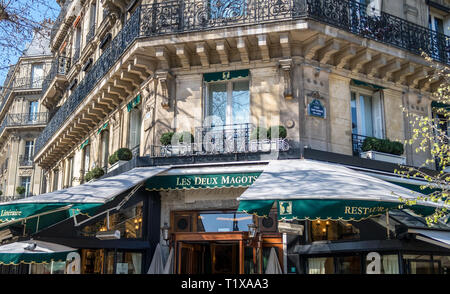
{"x": 354, "y": 114}
{"x": 366, "y": 115}
{"x": 224, "y": 222}
{"x": 321, "y": 265}
{"x": 109, "y": 266}
{"x": 418, "y": 264}
{"x": 217, "y": 103}
{"x": 349, "y": 265}
{"x": 444, "y": 263}
{"x": 333, "y": 230}
{"x": 128, "y": 263}
{"x": 241, "y": 102}
{"x": 389, "y": 264}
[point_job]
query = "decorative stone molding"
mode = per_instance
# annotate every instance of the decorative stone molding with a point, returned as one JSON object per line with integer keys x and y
{"x": 286, "y": 66}
{"x": 165, "y": 81}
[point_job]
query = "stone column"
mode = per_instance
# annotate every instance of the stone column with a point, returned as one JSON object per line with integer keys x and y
{"x": 340, "y": 115}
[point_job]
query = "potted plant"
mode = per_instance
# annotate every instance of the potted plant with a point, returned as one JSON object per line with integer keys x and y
{"x": 259, "y": 140}
{"x": 20, "y": 190}
{"x": 383, "y": 150}
{"x": 93, "y": 174}
{"x": 121, "y": 156}
{"x": 176, "y": 143}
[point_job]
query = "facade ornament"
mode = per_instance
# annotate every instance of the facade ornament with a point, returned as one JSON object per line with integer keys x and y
{"x": 286, "y": 66}
{"x": 164, "y": 89}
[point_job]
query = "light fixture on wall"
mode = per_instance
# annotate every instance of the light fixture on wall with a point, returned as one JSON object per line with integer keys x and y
{"x": 252, "y": 230}
{"x": 165, "y": 232}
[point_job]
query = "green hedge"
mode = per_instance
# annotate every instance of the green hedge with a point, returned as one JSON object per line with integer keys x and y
{"x": 20, "y": 190}
{"x": 166, "y": 138}
{"x": 382, "y": 145}
{"x": 257, "y": 133}
{"x": 121, "y": 154}
{"x": 95, "y": 173}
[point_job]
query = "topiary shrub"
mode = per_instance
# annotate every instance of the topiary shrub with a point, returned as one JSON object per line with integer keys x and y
{"x": 20, "y": 190}
{"x": 185, "y": 137}
{"x": 124, "y": 154}
{"x": 259, "y": 133}
{"x": 113, "y": 158}
{"x": 282, "y": 132}
{"x": 95, "y": 173}
{"x": 166, "y": 138}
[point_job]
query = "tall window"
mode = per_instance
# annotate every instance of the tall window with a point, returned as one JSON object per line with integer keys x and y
{"x": 86, "y": 158}
{"x": 37, "y": 75}
{"x": 26, "y": 183}
{"x": 33, "y": 111}
{"x": 135, "y": 129}
{"x": 228, "y": 102}
{"x": 436, "y": 24}
{"x": 29, "y": 150}
{"x": 105, "y": 148}
{"x": 366, "y": 111}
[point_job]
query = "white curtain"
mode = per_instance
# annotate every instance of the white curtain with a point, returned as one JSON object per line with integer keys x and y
{"x": 316, "y": 265}
{"x": 390, "y": 264}
{"x": 137, "y": 261}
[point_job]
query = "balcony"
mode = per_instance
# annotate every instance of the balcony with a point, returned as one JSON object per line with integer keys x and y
{"x": 55, "y": 80}
{"x": 27, "y": 120}
{"x": 25, "y": 160}
{"x": 226, "y": 139}
{"x": 177, "y": 17}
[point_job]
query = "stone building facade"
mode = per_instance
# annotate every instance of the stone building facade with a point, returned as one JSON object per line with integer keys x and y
{"x": 23, "y": 118}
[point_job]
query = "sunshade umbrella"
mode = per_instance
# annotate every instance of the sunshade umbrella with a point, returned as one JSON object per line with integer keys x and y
{"x": 33, "y": 251}
{"x": 168, "y": 268}
{"x": 273, "y": 266}
{"x": 157, "y": 265}
{"x": 309, "y": 189}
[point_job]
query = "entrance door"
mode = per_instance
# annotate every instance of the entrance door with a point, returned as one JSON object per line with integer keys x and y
{"x": 208, "y": 258}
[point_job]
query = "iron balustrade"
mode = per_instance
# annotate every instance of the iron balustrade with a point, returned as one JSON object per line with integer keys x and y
{"x": 357, "y": 142}
{"x": 225, "y": 139}
{"x": 60, "y": 66}
{"x": 24, "y": 119}
{"x": 25, "y": 160}
{"x": 175, "y": 17}
{"x": 59, "y": 19}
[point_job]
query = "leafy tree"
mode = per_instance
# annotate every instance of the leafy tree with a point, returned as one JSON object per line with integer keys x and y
{"x": 430, "y": 135}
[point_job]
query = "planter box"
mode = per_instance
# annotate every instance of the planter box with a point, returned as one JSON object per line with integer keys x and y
{"x": 384, "y": 157}
{"x": 117, "y": 164}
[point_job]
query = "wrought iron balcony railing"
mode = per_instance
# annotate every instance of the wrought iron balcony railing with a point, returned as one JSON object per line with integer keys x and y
{"x": 181, "y": 16}
{"x": 25, "y": 160}
{"x": 59, "y": 19}
{"x": 357, "y": 142}
{"x": 24, "y": 119}
{"x": 227, "y": 139}
{"x": 60, "y": 66}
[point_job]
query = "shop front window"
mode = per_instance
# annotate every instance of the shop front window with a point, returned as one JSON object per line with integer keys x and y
{"x": 128, "y": 221}
{"x": 425, "y": 264}
{"x": 321, "y": 265}
{"x": 333, "y": 231}
{"x": 389, "y": 264}
{"x": 128, "y": 263}
{"x": 223, "y": 222}
{"x": 51, "y": 268}
{"x": 348, "y": 265}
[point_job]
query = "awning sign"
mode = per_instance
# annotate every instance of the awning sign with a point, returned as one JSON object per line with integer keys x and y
{"x": 209, "y": 181}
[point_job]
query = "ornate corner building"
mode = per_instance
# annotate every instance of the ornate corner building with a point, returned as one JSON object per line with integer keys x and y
{"x": 23, "y": 117}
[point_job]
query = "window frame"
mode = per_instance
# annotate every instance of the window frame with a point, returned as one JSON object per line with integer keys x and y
{"x": 358, "y": 91}
{"x": 229, "y": 119}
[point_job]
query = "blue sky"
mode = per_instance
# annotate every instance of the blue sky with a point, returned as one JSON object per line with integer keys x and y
{"x": 36, "y": 11}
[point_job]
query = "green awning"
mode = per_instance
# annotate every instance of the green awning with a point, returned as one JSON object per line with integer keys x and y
{"x": 84, "y": 144}
{"x": 102, "y": 128}
{"x": 308, "y": 189}
{"x": 225, "y": 75}
{"x": 203, "y": 181}
{"x": 369, "y": 85}
{"x": 33, "y": 252}
{"x": 134, "y": 102}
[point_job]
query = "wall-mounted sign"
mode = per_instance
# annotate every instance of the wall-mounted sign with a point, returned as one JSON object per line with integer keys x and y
{"x": 315, "y": 108}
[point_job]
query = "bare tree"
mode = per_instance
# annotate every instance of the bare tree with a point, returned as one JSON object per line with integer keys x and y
{"x": 20, "y": 21}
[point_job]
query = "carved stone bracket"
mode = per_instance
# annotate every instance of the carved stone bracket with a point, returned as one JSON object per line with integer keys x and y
{"x": 286, "y": 66}
{"x": 164, "y": 89}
